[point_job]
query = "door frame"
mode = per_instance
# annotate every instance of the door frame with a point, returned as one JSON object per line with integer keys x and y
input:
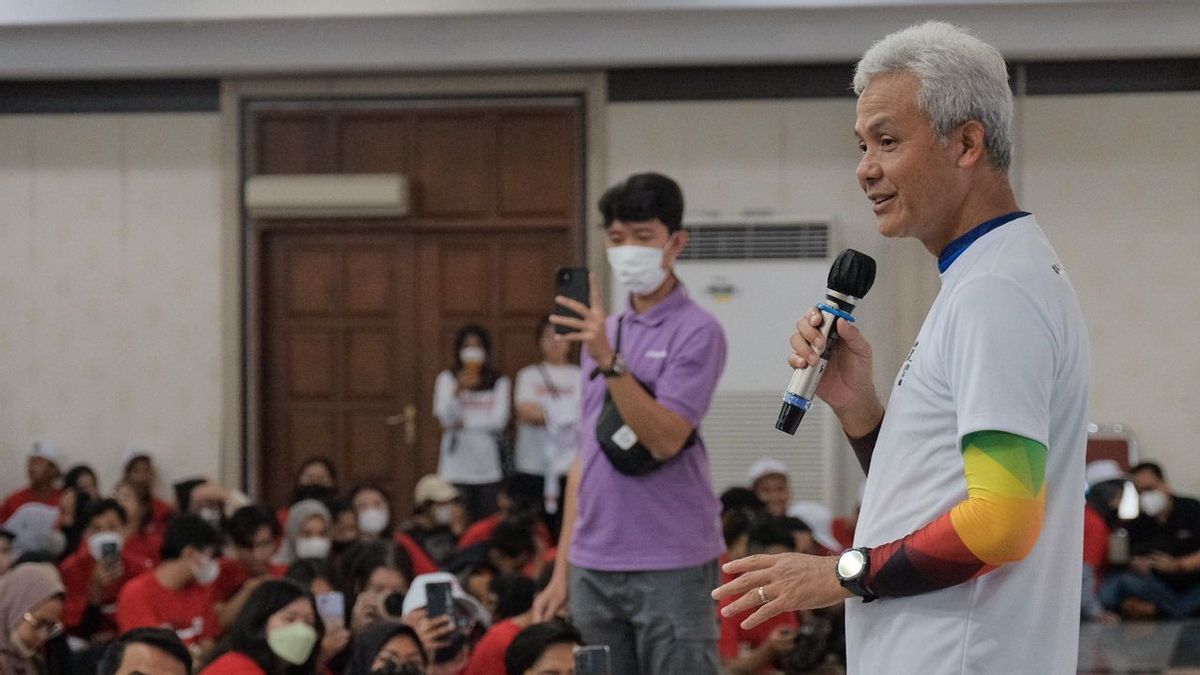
{"x": 241, "y": 424}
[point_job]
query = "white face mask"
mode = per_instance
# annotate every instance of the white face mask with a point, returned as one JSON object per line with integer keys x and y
{"x": 102, "y": 540}
{"x": 211, "y": 515}
{"x": 312, "y": 547}
{"x": 443, "y": 514}
{"x": 472, "y": 355}
{"x": 1153, "y": 502}
{"x": 638, "y": 268}
{"x": 207, "y": 572}
{"x": 372, "y": 521}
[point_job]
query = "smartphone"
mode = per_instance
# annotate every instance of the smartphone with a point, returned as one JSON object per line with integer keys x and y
{"x": 592, "y": 660}
{"x": 109, "y": 552}
{"x": 571, "y": 282}
{"x": 439, "y": 599}
{"x": 332, "y": 608}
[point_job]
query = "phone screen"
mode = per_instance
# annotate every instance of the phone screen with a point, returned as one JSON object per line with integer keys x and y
{"x": 592, "y": 660}
{"x": 332, "y": 608}
{"x": 571, "y": 282}
{"x": 439, "y": 599}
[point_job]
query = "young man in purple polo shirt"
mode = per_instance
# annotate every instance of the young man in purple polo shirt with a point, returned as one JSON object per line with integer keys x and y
{"x": 637, "y": 553}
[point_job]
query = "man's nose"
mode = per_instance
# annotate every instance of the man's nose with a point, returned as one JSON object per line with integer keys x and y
{"x": 868, "y": 169}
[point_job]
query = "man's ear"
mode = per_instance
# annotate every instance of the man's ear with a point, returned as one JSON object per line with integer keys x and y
{"x": 972, "y": 139}
{"x": 679, "y": 241}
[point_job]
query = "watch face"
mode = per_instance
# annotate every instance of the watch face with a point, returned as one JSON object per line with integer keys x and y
{"x": 850, "y": 564}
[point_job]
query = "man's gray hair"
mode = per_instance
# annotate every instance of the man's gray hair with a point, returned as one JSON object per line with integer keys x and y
{"x": 961, "y": 77}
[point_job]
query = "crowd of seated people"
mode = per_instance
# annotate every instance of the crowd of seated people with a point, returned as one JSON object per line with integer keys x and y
{"x": 329, "y": 584}
{"x": 123, "y": 581}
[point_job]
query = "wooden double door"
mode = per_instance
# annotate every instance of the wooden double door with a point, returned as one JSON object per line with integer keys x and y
{"x": 357, "y": 318}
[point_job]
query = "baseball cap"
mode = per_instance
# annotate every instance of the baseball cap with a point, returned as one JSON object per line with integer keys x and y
{"x": 767, "y": 466}
{"x": 46, "y": 451}
{"x": 431, "y": 488}
{"x": 132, "y": 453}
{"x": 1103, "y": 470}
{"x": 418, "y": 593}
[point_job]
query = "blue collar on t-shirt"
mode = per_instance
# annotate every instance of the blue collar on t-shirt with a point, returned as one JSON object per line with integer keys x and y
{"x": 956, "y": 247}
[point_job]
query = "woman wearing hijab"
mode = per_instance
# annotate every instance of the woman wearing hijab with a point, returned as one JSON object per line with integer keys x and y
{"x": 31, "y": 605}
{"x": 306, "y": 533}
{"x": 388, "y": 647}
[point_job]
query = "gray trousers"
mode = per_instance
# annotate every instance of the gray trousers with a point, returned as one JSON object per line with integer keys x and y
{"x": 654, "y": 623}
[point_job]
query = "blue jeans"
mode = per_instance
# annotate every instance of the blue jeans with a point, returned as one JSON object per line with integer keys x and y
{"x": 1171, "y": 603}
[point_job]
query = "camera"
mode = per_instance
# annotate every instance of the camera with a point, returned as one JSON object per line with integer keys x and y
{"x": 810, "y": 648}
{"x": 392, "y": 605}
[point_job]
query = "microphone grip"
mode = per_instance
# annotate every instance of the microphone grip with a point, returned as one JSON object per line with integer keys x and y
{"x": 802, "y": 388}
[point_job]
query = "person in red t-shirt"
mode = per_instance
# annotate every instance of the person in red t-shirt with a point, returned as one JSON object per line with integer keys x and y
{"x": 277, "y": 631}
{"x": 139, "y": 472}
{"x": 43, "y": 470}
{"x": 94, "y": 574}
{"x": 759, "y": 649}
{"x": 510, "y": 599}
{"x": 1106, "y": 484}
{"x": 254, "y": 538}
{"x": 143, "y": 544}
{"x": 175, "y": 594}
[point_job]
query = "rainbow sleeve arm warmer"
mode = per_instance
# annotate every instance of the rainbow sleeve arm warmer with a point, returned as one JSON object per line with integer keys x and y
{"x": 998, "y": 523}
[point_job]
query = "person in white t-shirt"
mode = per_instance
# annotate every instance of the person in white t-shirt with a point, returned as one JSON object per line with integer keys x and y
{"x": 472, "y": 402}
{"x": 547, "y": 407}
{"x": 967, "y": 548}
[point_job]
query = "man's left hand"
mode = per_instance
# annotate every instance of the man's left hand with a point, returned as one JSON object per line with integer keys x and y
{"x": 590, "y": 330}
{"x": 790, "y": 582}
{"x": 1166, "y": 564}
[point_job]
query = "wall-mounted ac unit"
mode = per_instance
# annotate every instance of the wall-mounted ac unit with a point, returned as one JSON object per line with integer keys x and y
{"x": 327, "y": 196}
{"x": 757, "y": 276}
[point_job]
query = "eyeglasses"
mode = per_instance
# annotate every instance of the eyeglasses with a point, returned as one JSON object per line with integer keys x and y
{"x": 50, "y": 628}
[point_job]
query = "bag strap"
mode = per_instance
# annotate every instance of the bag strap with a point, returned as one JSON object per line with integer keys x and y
{"x": 554, "y": 393}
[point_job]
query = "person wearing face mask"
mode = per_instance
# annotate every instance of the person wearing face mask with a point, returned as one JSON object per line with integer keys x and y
{"x": 176, "y": 593}
{"x": 438, "y": 518}
{"x": 31, "y": 605}
{"x": 276, "y": 633}
{"x": 471, "y": 401}
{"x": 373, "y": 509}
{"x": 306, "y": 533}
{"x": 653, "y": 539}
{"x": 95, "y": 572}
{"x": 1163, "y": 577}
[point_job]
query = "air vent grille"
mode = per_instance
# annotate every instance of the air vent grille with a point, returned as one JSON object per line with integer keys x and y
{"x": 753, "y": 241}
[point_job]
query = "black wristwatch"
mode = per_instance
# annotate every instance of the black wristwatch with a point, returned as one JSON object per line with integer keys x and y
{"x": 618, "y": 367}
{"x": 852, "y": 569}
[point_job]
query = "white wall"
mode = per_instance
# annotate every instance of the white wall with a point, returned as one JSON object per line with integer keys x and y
{"x": 1114, "y": 181}
{"x": 109, "y": 283}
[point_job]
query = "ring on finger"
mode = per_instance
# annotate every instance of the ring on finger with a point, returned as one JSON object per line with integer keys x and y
{"x": 762, "y": 596}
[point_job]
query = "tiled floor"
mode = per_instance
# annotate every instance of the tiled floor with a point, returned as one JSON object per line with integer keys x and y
{"x": 1140, "y": 648}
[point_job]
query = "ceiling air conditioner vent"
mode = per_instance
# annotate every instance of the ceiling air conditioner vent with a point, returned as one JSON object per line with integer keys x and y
{"x": 757, "y": 241}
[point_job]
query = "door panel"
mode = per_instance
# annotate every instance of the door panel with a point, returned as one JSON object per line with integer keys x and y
{"x": 339, "y": 357}
{"x": 357, "y": 318}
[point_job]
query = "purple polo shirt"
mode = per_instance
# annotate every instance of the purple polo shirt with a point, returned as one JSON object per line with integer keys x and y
{"x": 668, "y": 518}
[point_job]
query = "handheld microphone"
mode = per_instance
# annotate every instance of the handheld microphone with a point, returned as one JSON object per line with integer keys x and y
{"x": 850, "y": 277}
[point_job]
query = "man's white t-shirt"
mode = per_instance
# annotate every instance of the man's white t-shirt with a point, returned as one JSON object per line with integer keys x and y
{"x": 474, "y": 420}
{"x": 549, "y": 449}
{"x": 1004, "y": 347}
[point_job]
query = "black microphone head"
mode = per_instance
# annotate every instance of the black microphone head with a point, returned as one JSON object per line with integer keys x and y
{"x": 852, "y": 273}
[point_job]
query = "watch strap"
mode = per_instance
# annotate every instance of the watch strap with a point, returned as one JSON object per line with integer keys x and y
{"x": 857, "y": 584}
